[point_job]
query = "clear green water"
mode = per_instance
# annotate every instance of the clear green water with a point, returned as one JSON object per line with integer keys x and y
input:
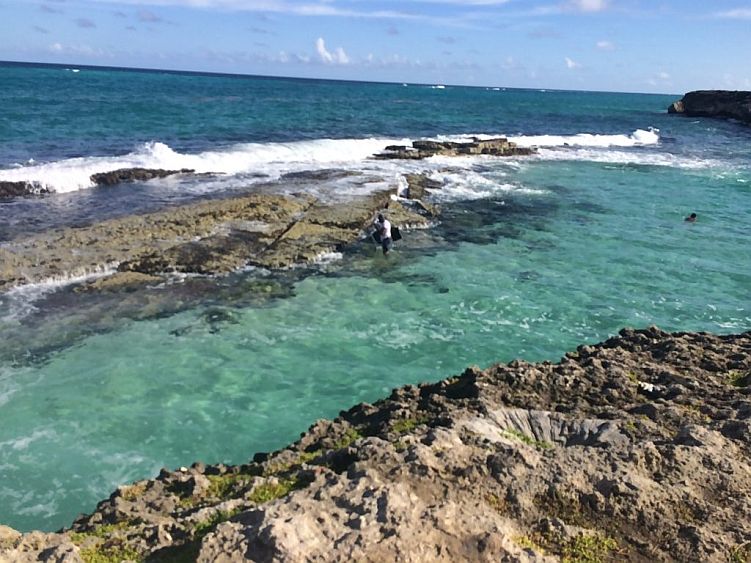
{"x": 531, "y": 258}
{"x": 598, "y": 246}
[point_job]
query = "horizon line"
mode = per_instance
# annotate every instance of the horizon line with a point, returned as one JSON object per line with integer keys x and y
{"x": 284, "y": 77}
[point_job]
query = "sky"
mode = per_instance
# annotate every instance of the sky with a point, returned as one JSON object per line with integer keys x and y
{"x": 663, "y": 46}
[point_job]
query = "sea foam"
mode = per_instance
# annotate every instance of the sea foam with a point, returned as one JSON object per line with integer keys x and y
{"x": 270, "y": 159}
{"x": 242, "y": 164}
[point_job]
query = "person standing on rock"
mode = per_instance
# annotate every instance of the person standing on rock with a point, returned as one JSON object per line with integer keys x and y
{"x": 383, "y": 228}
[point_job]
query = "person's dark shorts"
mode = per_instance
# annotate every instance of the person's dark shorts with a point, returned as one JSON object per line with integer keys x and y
{"x": 386, "y": 244}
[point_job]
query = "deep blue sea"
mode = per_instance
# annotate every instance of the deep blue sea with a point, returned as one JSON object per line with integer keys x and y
{"x": 532, "y": 256}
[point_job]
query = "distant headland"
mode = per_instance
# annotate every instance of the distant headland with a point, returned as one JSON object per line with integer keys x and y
{"x": 728, "y": 104}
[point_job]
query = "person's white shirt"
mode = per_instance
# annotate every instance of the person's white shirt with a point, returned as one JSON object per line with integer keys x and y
{"x": 386, "y": 226}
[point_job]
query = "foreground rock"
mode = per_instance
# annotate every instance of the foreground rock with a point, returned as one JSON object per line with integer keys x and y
{"x": 715, "y": 103}
{"x": 426, "y": 149}
{"x": 636, "y": 449}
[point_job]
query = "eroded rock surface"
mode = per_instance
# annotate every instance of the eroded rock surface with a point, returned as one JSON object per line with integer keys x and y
{"x": 635, "y": 449}
{"x": 210, "y": 237}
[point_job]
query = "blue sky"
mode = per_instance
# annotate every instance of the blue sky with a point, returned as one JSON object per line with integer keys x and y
{"x": 667, "y": 46}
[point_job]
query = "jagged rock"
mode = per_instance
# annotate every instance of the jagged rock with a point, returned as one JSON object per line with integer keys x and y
{"x": 715, "y": 103}
{"x": 133, "y": 175}
{"x": 21, "y": 189}
{"x": 517, "y": 462}
{"x": 425, "y": 149}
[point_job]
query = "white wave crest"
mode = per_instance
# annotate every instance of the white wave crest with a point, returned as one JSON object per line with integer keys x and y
{"x": 18, "y": 302}
{"x": 271, "y": 159}
{"x": 638, "y": 138}
{"x": 470, "y": 185}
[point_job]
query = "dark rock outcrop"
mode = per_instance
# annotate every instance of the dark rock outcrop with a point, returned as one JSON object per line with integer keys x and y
{"x": 727, "y": 104}
{"x": 635, "y": 449}
{"x": 133, "y": 175}
{"x": 21, "y": 189}
{"x": 425, "y": 149}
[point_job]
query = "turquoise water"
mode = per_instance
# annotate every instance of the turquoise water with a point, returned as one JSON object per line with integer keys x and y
{"x": 531, "y": 258}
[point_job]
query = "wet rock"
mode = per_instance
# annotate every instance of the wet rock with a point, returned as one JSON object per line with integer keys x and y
{"x": 133, "y": 175}
{"x": 426, "y": 149}
{"x": 21, "y": 189}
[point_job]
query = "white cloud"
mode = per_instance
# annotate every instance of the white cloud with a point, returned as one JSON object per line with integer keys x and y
{"x": 589, "y": 5}
{"x": 739, "y": 14}
{"x": 78, "y": 50}
{"x": 605, "y": 45}
{"x": 327, "y": 57}
{"x": 571, "y": 63}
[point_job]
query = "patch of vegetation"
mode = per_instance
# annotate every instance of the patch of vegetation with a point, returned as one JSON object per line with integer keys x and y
{"x": 266, "y": 492}
{"x": 695, "y": 412}
{"x": 529, "y": 543}
{"x": 630, "y": 426}
{"x": 520, "y": 436}
{"x": 565, "y": 507}
{"x": 497, "y": 503}
{"x": 348, "y": 438}
{"x": 223, "y": 486}
{"x": 741, "y": 553}
{"x": 307, "y": 457}
{"x": 738, "y": 378}
{"x": 632, "y": 377}
{"x": 203, "y": 528}
{"x": 109, "y": 554}
{"x": 100, "y": 532}
{"x": 404, "y": 425}
{"x": 588, "y": 549}
{"x": 133, "y": 492}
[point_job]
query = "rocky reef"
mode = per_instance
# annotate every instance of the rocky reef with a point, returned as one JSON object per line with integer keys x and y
{"x": 134, "y": 175}
{"x": 634, "y": 449}
{"x": 727, "y": 104}
{"x": 210, "y": 237}
{"x": 426, "y": 149}
{"x": 9, "y": 190}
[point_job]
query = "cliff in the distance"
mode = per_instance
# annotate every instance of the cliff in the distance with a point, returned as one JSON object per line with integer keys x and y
{"x": 715, "y": 103}
{"x": 635, "y": 449}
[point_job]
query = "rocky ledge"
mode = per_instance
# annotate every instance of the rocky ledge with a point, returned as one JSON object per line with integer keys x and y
{"x": 210, "y": 237}
{"x": 635, "y": 449}
{"x": 715, "y": 103}
{"x": 425, "y": 149}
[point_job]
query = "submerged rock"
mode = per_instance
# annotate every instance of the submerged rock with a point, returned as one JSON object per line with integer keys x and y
{"x": 517, "y": 462}
{"x": 715, "y": 103}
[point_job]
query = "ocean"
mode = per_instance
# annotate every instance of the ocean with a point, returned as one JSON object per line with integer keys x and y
{"x": 531, "y": 257}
